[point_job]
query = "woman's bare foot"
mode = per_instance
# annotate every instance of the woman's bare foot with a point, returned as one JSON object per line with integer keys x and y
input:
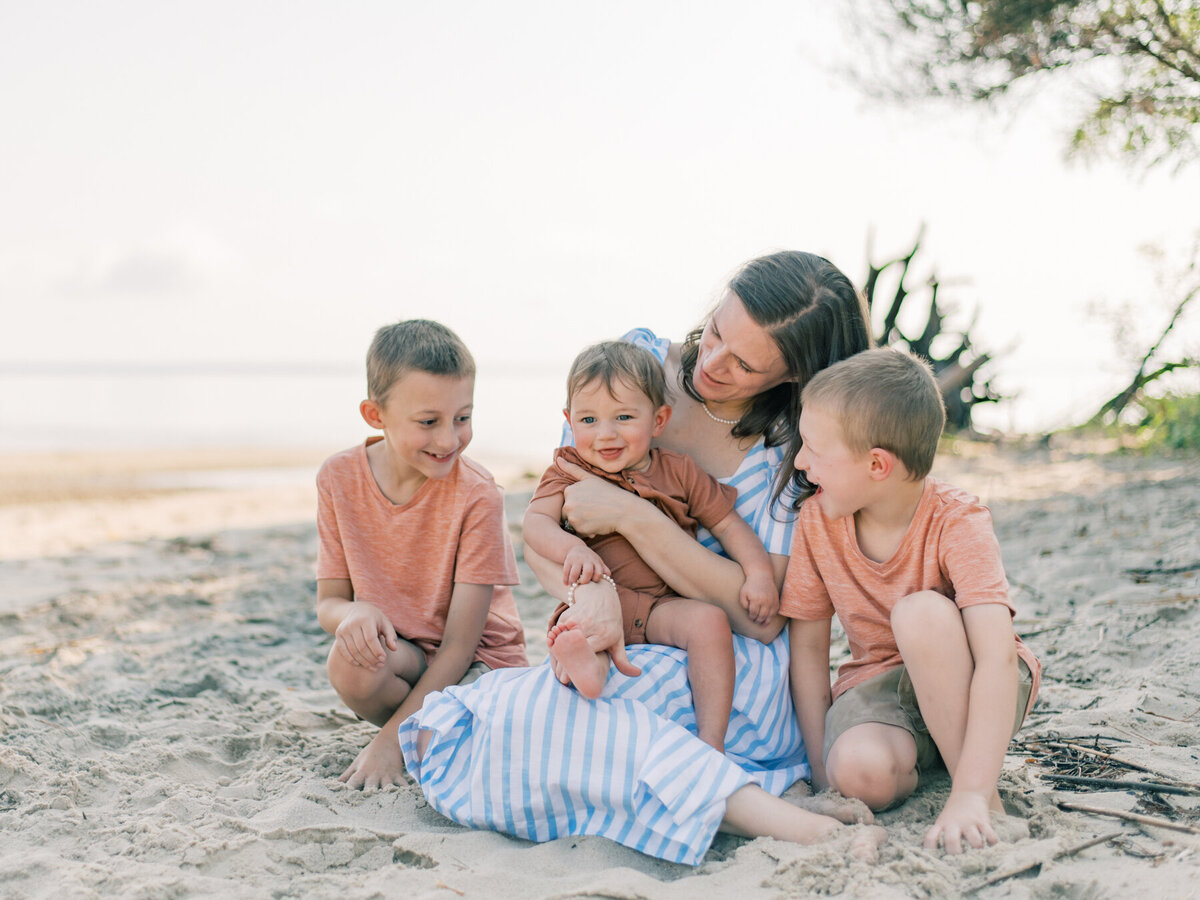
{"x": 587, "y": 670}
{"x": 847, "y": 810}
{"x": 752, "y": 812}
{"x": 864, "y": 841}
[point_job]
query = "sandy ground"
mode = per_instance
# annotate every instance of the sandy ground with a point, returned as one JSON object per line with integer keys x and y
{"x": 166, "y": 728}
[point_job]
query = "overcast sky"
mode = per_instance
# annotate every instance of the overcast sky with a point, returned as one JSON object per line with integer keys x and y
{"x": 269, "y": 182}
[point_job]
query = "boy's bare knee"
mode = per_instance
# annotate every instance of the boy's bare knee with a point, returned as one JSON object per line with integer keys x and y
{"x": 354, "y": 683}
{"x": 922, "y": 611}
{"x": 870, "y": 771}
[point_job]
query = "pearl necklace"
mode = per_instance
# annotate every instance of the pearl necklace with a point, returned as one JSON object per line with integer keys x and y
{"x": 715, "y": 417}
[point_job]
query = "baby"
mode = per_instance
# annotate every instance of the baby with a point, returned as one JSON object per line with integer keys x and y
{"x": 616, "y": 407}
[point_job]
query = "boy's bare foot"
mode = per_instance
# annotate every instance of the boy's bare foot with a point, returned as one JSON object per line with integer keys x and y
{"x": 587, "y": 669}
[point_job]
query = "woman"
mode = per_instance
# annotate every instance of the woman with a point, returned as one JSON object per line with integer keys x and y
{"x": 520, "y": 753}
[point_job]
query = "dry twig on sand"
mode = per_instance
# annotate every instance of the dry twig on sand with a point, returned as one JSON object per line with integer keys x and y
{"x": 1036, "y": 865}
{"x": 1129, "y": 817}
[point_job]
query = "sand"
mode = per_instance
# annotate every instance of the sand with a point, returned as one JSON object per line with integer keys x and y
{"x": 166, "y": 728}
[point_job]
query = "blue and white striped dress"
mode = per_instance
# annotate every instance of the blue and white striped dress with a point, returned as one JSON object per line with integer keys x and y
{"x": 520, "y": 753}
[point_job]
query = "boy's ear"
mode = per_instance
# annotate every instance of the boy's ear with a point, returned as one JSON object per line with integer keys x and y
{"x": 881, "y": 463}
{"x": 567, "y": 414}
{"x": 662, "y": 416}
{"x": 371, "y": 413}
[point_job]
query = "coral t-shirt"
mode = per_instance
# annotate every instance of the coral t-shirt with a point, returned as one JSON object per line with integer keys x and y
{"x": 949, "y": 547}
{"x": 406, "y": 558}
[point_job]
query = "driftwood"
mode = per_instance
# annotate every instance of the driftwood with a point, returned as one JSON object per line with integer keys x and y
{"x": 1129, "y": 817}
{"x": 1124, "y": 784}
{"x": 960, "y": 372}
{"x": 1115, "y": 405}
{"x": 1076, "y": 747}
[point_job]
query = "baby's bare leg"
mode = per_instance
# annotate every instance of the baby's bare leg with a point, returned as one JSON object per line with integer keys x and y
{"x": 752, "y": 812}
{"x": 585, "y": 668}
{"x": 374, "y": 694}
{"x": 703, "y": 631}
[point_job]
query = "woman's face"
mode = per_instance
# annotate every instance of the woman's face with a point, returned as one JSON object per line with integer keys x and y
{"x": 737, "y": 358}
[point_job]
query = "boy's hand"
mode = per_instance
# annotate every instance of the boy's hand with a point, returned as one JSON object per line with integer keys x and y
{"x": 357, "y": 637}
{"x": 965, "y": 815}
{"x": 759, "y": 596}
{"x": 378, "y": 764}
{"x": 583, "y": 565}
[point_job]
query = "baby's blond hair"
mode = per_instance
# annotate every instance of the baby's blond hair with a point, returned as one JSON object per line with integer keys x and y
{"x": 611, "y": 361}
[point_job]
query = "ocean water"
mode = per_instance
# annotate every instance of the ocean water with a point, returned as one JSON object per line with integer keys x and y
{"x": 105, "y": 407}
{"x": 518, "y": 406}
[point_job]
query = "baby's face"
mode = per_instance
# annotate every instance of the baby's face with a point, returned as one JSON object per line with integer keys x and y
{"x": 613, "y": 430}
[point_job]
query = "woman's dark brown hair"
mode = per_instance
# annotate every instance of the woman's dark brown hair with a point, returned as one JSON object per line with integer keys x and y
{"x": 815, "y": 317}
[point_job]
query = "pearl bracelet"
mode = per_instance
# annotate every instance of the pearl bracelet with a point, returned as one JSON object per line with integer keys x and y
{"x": 575, "y": 584}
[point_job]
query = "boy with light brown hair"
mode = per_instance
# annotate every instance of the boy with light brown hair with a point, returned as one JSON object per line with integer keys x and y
{"x": 912, "y": 569}
{"x": 414, "y": 560}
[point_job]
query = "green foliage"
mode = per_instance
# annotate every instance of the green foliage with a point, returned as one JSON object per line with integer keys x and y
{"x": 1140, "y": 59}
{"x": 1171, "y": 422}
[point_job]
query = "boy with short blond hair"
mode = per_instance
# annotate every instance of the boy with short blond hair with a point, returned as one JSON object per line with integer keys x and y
{"x": 912, "y": 569}
{"x": 414, "y": 560}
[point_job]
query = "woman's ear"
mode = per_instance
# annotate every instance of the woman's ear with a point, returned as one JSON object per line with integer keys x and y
{"x": 371, "y": 413}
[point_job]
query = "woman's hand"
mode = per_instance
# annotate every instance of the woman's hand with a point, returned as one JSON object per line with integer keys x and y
{"x": 597, "y": 613}
{"x": 593, "y": 506}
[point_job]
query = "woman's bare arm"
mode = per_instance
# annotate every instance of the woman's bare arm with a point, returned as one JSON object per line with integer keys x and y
{"x": 596, "y": 507}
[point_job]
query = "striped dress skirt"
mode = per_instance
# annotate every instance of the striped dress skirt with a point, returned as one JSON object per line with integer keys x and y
{"x": 518, "y": 752}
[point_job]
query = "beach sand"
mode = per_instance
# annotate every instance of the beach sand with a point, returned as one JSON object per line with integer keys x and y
{"x": 166, "y": 728}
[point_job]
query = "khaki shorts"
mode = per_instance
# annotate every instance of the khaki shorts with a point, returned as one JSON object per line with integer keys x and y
{"x": 474, "y": 671}
{"x": 889, "y": 699}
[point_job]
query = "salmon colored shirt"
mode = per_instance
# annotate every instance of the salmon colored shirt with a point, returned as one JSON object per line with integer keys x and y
{"x": 949, "y": 547}
{"x": 406, "y": 558}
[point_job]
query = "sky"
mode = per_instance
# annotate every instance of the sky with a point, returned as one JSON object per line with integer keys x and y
{"x": 265, "y": 183}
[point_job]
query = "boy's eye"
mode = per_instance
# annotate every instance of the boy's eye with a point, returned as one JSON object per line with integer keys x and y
{"x": 464, "y": 418}
{"x": 587, "y": 420}
{"x": 624, "y": 417}
{"x": 427, "y": 422}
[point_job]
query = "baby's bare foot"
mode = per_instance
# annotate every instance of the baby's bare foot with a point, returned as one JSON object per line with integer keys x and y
{"x": 587, "y": 670}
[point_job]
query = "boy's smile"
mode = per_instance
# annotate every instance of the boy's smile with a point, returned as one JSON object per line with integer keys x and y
{"x": 426, "y": 423}
{"x": 613, "y": 431}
